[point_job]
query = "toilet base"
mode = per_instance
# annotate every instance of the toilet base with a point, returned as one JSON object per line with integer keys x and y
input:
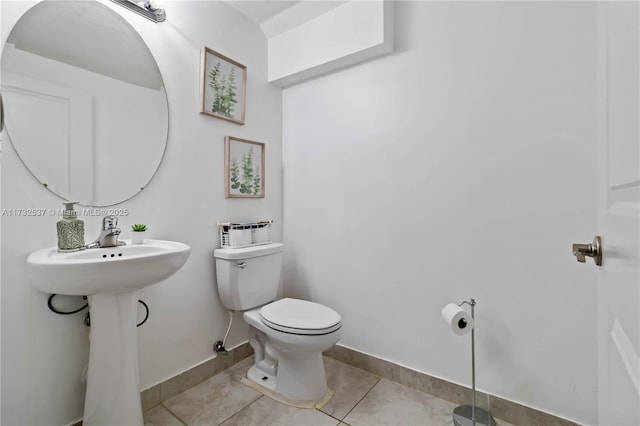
{"x": 283, "y": 399}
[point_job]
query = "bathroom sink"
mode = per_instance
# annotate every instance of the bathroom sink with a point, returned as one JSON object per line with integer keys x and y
{"x": 111, "y": 278}
{"x": 106, "y": 270}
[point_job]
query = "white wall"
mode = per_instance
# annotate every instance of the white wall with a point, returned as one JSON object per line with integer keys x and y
{"x": 458, "y": 166}
{"x": 453, "y": 168}
{"x": 43, "y": 354}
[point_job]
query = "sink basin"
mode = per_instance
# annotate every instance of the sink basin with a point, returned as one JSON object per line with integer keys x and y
{"x": 106, "y": 270}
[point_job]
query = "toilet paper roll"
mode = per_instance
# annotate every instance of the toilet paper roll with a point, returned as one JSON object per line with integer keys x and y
{"x": 458, "y": 319}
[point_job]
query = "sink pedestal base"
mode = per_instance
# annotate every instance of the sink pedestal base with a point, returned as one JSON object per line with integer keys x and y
{"x": 113, "y": 384}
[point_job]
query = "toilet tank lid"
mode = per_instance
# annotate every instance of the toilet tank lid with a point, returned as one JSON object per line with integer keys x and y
{"x": 248, "y": 252}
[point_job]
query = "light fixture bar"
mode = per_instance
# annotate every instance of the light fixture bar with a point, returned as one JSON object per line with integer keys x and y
{"x": 144, "y": 9}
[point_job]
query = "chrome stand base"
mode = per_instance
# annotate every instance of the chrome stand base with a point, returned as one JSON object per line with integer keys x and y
{"x": 462, "y": 417}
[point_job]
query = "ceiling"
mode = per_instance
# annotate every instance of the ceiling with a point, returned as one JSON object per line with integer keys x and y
{"x": 260, "y": 11}
{"x": 278, "y": 16}
{"x": 86, "y": 35}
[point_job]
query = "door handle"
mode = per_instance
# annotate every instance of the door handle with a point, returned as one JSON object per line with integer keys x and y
{"x": 591, "y": 250}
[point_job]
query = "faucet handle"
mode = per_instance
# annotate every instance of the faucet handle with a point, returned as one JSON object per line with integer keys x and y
{"x": 109, "y": 222}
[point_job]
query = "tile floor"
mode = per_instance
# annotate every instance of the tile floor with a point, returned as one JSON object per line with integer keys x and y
{"x": 361, "y": 399}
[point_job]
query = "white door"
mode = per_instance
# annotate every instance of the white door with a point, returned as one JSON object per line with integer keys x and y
{"x": 618, "y": 39}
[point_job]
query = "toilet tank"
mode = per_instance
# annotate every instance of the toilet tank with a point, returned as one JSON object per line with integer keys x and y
{"x": 248, "y": 277}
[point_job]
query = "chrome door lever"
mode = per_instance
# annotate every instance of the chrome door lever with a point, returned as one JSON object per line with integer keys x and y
{"x": 591, "y": 250}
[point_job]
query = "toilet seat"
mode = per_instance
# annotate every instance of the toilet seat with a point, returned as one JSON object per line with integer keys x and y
{"x": 302, "y": 317}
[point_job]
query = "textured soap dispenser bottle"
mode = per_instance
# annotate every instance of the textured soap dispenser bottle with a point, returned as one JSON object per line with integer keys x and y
{"x": 70, "y": 230}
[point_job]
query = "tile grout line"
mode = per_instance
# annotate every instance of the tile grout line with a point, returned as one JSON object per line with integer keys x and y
{"x": 243, "y": 408}
{"x": 329, "y": 415}
{"x": 172, "y": 413}
{"x": 360, "y": 400}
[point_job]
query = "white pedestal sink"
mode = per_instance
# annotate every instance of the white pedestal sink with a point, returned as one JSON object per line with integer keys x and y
{"x": 111, "y": 277}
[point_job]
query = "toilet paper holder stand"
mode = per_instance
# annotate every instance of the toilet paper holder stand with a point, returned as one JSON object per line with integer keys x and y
{"x": 470, "y": 415}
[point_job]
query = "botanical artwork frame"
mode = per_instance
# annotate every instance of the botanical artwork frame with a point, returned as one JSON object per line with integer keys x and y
{"x": 243, "y": 168}
{"x": 223, "y": 87}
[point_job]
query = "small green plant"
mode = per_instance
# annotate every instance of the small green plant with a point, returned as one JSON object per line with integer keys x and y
{"x": 139, "y": 227}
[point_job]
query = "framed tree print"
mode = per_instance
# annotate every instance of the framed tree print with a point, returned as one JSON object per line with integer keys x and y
{"x": 222, "y": 87}
{"x": 244, "y": 168}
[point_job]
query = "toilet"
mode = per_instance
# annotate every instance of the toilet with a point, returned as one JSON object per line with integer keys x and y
{"x": 287, "y": 335}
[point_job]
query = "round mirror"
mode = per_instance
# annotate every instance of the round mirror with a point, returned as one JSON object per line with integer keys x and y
{"x": 84, "y": 102}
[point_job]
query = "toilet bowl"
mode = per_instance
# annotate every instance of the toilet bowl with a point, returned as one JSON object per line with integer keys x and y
{"x": 283, "y": 332}
{"x": 287, "y": 335}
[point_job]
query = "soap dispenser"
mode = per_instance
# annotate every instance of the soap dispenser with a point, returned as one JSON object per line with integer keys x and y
{"x": 70, "y": 230}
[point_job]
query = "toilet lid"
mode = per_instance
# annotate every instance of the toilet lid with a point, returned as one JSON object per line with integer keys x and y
{"x": 300, "y": 317}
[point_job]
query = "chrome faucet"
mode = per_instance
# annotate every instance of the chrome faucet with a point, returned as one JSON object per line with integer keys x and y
{"x": 109, "y": 234}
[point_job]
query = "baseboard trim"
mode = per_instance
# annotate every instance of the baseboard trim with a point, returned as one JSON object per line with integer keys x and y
{"x": 500, "y": 408}
{"x": 188, "y": 379}
{"x": 177, "y": 384}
